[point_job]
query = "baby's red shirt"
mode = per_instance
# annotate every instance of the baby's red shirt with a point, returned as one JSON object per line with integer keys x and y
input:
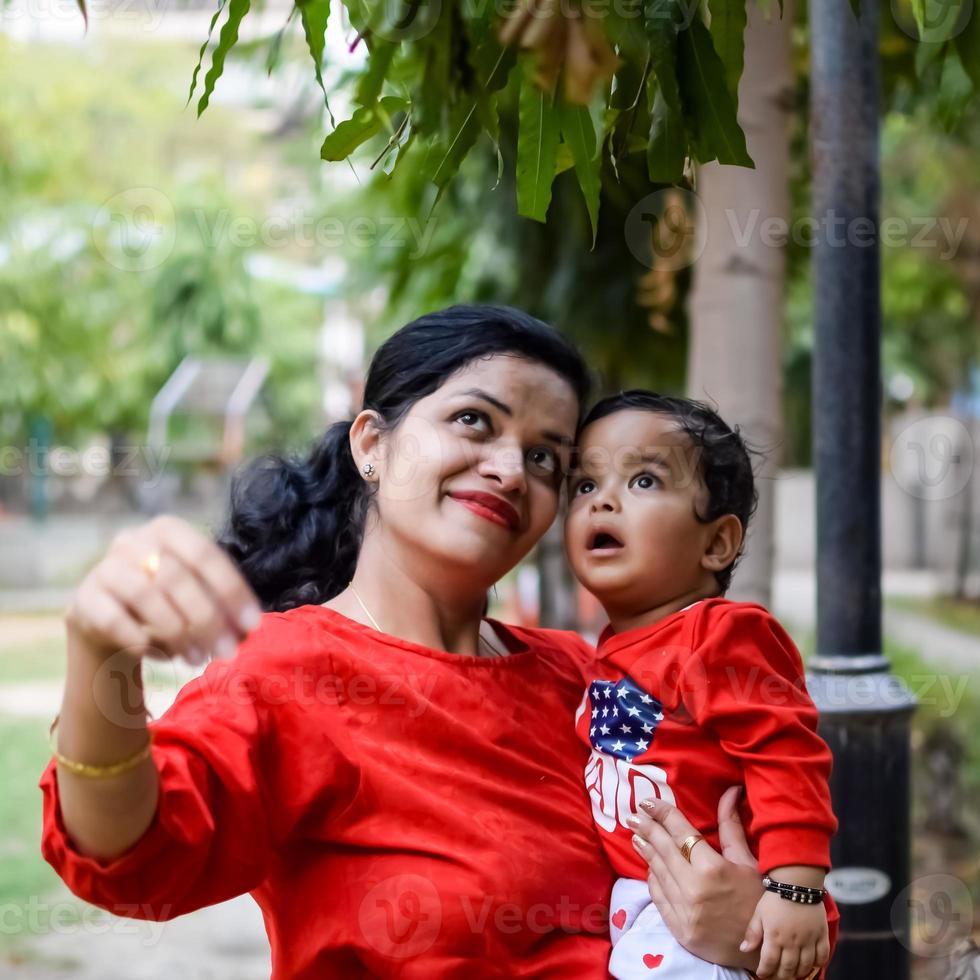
{"x": 710, "y": 697}
{"x": 395, "y": 811}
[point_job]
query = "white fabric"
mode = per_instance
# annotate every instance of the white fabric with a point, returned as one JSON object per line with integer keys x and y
{"x": 643, "y": 945}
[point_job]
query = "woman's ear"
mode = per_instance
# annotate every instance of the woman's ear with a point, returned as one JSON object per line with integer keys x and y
{"x": 724, "y": 544}
{"x": 365, "y": 440}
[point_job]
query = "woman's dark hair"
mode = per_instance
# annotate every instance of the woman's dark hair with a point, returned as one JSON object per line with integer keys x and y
{"x": 295, "y": 524}
{"x": 724, "y": 461}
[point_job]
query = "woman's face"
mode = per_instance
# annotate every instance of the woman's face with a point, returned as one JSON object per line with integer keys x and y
{"x": 469, "y": 480}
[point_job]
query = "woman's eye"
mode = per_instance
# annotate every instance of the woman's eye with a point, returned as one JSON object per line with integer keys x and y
{"x": 543, "y": 460}
{"x": 472, "y": 420}
{"x": 645, "y": 481}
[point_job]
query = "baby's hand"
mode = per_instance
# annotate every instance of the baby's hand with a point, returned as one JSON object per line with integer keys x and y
{"x": 793, "y": 935}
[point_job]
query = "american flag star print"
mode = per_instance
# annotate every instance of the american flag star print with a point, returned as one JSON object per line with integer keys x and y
{"x": 623, "y": 718}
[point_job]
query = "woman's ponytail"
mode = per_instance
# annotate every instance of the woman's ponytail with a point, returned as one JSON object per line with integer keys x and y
{"x": 295, "y": 525}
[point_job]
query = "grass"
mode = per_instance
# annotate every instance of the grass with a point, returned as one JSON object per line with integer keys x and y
{"x": 957, "y": 614}
{"x": 37, "y": 661}
{"x": 24, "y": 874}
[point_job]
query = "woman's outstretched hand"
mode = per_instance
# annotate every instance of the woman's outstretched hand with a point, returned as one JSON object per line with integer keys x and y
{"x": 708, "y": 903}
{"x": 163, "y": 589}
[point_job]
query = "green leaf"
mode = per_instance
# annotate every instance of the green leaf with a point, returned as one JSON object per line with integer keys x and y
{"x": 465, "y": 123}
{"x": 919, "y": 13}
{"x": 370, "y": 84}
{"x": 464, "y": 127}
{"x": 926, "y": 52}
{"x": 663, "y": 19}
{"x": 200, "y": 54}
{"x": 579, "y": 134}
{"x": 564, "y": 159}
{"x": 728, "y": 35}
{"x": 968, "y": 46}
{"x": 314, "y": 14}
{"x": 710, "y": 107}
{"x": 272, "y": 58}
{"x": 665, "y": 149}
{"x": 955, "y": 89}
{"x": 366, "y": 122}
{"x": 537, "y": 148}
{"x": 84, "y": 10}
{"x": 237, "y": 9}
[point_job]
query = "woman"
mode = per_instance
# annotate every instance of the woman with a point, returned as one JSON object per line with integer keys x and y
{"x": 394, "y": 778}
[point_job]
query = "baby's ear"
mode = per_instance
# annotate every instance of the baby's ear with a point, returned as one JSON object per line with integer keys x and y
{"x": 724, "y": 544}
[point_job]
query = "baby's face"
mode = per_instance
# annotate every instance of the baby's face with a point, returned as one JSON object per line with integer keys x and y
{"x": 631, "y": 534}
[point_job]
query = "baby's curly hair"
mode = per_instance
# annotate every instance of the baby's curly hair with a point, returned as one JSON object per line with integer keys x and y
{"x": 724, "y": 460}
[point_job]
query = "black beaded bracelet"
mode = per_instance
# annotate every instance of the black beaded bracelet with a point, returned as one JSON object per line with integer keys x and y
{"x": 802, "y": 894}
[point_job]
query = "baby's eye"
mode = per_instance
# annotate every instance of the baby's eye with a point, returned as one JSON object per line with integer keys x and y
{"x": 583, "y": 487}
{"x": 543, "y": 460}
{"x": 645, "y": 481}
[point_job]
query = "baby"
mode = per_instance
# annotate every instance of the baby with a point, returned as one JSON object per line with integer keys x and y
{"x": 692, "y": 693}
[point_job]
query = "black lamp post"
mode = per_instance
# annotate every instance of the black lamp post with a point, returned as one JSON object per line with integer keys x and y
{"x": 865, "y": 710}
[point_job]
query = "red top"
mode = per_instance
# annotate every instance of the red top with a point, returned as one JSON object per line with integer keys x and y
{"x": 395, "y": 811}
{"x": 709, "y": 697}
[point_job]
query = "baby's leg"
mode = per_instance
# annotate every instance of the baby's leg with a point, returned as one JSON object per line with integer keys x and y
{"x": 643, "y": 945}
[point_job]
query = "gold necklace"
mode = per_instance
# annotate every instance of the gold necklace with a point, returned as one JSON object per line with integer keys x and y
{"x": 367, "y": 612}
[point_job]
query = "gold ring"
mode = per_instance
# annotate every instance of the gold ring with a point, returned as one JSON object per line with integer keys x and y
{"x": 151, "y": 563}
{"x": 812, "y": 974}
{"x": 688, "y": 845}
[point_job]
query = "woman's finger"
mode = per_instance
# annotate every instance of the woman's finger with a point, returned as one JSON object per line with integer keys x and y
{"x": 731, "y": 832}
{"x": 670, "y": 886}
{"x": 668, "y": 830}
{"x": 98, "y": 612}
{"x": 213, "y": 566}
{"x": 205, "y": 621}
{"x": 119, "y": 575}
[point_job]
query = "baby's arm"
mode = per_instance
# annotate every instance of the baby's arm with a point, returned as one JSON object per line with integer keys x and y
{"x": 794, "y": 936}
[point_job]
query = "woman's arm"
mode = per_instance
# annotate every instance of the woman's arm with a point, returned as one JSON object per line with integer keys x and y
{"x": 707, "y": 904}
{"x": 122, "y": 611}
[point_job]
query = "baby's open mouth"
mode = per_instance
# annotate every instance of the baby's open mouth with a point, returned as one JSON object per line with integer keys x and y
{"x": 603, "y": 539}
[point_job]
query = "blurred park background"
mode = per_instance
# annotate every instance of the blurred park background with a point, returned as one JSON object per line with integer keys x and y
{"x": 178, "y": 294}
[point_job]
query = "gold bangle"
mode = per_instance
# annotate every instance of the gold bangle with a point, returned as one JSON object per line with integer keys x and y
{"x": 93, "y": 771}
